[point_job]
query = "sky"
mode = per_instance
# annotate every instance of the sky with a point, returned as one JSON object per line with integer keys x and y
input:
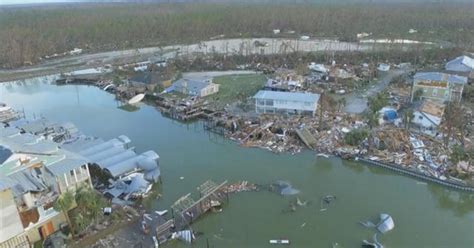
{"x": 5, "y": 2}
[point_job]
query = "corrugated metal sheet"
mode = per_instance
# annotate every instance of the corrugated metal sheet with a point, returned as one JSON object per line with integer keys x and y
{"x": 64, "y": 166}
{"x": 287, "y": 96}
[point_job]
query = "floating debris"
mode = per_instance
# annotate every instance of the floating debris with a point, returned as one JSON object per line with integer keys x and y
{"x": 385, "y": 224}
{"x": 301, "y": 203}
{"x": 374, "y": 244}
{"x": 279, "y": 241}
{"x": 240, "y": 187}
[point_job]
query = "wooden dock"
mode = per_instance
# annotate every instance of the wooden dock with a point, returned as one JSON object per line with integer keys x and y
{"x": 186, "y": 210}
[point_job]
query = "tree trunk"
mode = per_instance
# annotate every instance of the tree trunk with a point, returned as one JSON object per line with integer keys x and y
{"x": 68, "y": 220}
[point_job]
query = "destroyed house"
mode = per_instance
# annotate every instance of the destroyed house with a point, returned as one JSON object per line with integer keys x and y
{"x": 115, "y": 157}
{"x": 33, "y": 174}
{"x": 286, "y": 102}
{"x": 429, "y": 115}
{"x": 438, "y": 86}
{"x": 193, "y": 87}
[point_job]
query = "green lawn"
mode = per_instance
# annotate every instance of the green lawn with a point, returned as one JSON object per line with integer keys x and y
{"x": 236, "y": 87}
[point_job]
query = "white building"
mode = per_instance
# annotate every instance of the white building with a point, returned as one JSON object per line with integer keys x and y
{"x": 286, "y": 102}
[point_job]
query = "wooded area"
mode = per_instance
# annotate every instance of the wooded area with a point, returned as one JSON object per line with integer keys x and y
{"x": 29, "y": 33}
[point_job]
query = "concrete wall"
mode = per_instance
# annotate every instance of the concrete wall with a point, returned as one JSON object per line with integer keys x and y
{"x": 209, "y": 90}
{"x": 33, "y": 232}
{"x": 10, "y": 223}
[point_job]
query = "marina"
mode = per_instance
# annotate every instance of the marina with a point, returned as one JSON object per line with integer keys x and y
{"x": 190, "y": 152}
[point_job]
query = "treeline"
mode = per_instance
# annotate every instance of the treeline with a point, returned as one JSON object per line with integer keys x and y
{"x": 27, "y": 34}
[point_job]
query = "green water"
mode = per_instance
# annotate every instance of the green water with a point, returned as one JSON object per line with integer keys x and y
{"x": 425, "y": 215}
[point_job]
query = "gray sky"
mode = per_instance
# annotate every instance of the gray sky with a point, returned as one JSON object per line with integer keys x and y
{"x": 29, "y": 1}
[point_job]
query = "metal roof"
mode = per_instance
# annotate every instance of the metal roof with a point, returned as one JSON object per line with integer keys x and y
{"x": 287, "y": 96}
{"x": 192, "y": 85}
{"x": 65, "y": 165}
{"x": 461, "y": 63}
{"x": 438, "y": 76}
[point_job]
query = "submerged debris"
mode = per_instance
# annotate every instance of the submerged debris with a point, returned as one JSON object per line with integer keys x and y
{"x": 283, "y": 188}
{"x": 325, "y": 201}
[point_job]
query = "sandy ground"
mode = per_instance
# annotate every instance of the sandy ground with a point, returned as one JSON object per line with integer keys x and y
{"x": 224, "y": 46}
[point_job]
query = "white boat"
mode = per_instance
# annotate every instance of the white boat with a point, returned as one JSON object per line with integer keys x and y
{"x": 279, "y": 241}
{"x": 136, "y": 99}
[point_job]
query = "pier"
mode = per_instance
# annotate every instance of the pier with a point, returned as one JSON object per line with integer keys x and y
{"x": 186, "y": 210}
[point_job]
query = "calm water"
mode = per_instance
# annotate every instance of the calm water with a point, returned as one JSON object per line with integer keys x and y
{"x": 425, "y": 215}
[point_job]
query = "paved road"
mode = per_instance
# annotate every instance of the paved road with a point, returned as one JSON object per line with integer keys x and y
{"x": 211, "y": 74}
{"x": 227, "y": 46}
{"x": 356, "y": 102}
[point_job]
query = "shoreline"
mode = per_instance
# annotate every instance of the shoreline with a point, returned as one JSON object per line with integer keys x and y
{"x": 399, "y": 168}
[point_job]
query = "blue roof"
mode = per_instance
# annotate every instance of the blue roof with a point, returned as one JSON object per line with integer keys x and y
{"x": 287, "y": 96}
{"x": 438, "y": 76}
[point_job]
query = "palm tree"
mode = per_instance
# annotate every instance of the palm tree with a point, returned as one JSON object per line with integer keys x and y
{"x": 372, "y": 121}
{"x": 63, "y": 204}
{"x": 408, "y": 117}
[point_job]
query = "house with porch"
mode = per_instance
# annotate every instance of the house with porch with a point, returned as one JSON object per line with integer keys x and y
{"x": 437, "y": 86}
{"x": 286, "y": 102}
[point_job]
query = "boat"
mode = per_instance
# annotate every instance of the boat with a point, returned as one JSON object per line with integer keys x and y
{"x": 136, "y": 99}
{"x": 279, "y": 241}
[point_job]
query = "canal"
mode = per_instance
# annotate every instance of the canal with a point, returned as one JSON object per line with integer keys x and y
{"x": 425, "y": 215}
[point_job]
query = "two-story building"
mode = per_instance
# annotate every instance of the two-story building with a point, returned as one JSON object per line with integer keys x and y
{"x": 33, "y": 173}
{"x": 286, "y": 102}
{"x": 438, "y": 86}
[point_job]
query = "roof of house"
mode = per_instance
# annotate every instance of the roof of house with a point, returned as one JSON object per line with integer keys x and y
{"x": 438, "y": 76}
{"x": 142, "y": 77}
{"x": 461, "y": 63}
{"x": 287, "y": 96}
{"x": 191, "y": 84}
{"x": 433, "y": 108}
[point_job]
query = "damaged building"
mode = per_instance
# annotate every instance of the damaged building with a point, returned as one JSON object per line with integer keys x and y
{"x": 33, "y": 173}
{"x": 438, "y": 86}
{"x": 115, "y": 157}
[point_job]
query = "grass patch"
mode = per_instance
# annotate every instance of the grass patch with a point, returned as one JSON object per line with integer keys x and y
{"x": 234, "y": 88}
